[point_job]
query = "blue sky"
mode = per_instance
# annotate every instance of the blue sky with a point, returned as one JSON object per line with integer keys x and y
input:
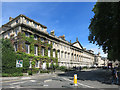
{"x": 69, "y": 18}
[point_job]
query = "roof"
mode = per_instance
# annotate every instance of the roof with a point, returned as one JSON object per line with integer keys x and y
{"x": 78, "y": 43}
{"x": 21, "y": 15}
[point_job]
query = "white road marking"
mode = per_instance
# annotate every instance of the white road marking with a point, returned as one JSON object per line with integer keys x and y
{"x": 48, "y": 80}
{"x": 80, "y": 83}
{"x": 18, "y": 82}
{"x": 26, "y": 78}
{"x": 45, "y": 85}
{"x": 32, "y": 80}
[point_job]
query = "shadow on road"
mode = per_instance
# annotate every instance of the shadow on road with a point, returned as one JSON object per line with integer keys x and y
{"x": 103, "y": 76}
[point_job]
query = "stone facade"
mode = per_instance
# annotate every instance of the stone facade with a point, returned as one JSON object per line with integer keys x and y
{"x": 68, "y": 54}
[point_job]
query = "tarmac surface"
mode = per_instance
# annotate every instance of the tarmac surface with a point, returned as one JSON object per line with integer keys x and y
{"x": 90, "y": 78}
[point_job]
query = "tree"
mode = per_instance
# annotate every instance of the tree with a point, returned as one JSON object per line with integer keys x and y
{"x": 105, "y": 28}
{"x": 8, "y": 57}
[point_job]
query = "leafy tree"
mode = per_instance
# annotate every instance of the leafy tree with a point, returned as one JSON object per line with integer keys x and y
{"x": 8, "y": 58}
{"x": 105, "y": 28}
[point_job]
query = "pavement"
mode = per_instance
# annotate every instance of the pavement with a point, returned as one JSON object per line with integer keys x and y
{"x": 89, "y": 78}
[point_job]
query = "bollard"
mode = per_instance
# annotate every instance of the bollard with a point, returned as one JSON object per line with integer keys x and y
{"x": 75, "y": 79}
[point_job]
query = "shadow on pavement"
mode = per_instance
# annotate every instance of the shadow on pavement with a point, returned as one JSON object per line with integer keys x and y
{"x": 100, "y": 75}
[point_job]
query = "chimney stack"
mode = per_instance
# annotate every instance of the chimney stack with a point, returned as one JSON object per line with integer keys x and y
{"x": 52, "y": 32}
{"x": 98, "y": 53}
{"x": 62, "y": 37}
{"x": 77, "y": 39}
{"x": 10, "y": 18}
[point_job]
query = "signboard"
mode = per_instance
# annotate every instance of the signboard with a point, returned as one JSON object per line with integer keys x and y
{"x": 19, "y": 63}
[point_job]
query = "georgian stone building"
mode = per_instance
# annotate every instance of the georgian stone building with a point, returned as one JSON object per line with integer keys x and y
{"x": 68, "y": 54}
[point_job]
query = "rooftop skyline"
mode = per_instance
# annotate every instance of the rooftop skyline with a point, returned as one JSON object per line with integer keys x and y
{"x": 65, "y": 18}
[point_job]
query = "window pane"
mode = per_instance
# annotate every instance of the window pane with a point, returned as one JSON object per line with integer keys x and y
{"x": 27, "y": 22}
{"x": 16, "y": 21}
{"x": 26, "y": 34}
{"x": 48, "y": 52}
{"x": 35, "y": 37}
{"x": 53, "y": 53}
{"x": 16, "y": 32}
{"x": 8, "y": 35}
{"x": 42, "y": 51}
{"x": 27, "y": 48}
{"x": 36, "y": 63}
{"x": 15, "y": 47}
{"x": 34, "y": 49}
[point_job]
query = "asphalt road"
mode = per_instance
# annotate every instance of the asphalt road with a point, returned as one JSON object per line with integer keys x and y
{"x": 86, "y": 79}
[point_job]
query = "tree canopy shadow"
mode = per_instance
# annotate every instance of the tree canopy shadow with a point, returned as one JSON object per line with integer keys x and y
{"x": 103, "y": 76}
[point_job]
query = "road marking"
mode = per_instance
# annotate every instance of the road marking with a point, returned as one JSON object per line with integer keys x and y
{"x": 79, "y": 83}
{"x": 18, "y": 82}
{"x": 45, "y": 85}
{"x": 26, "y": 78}
{"x": 33, "y": 80}
{"x": 48, "y": 80}
{"x": 53, "y": 76}
{"x": 11, "y": 80}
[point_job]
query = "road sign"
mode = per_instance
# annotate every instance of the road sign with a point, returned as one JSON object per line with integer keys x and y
{"x": 19, "y": 63}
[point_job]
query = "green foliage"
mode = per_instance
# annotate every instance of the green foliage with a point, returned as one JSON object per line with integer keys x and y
{"x": 56, "y": 53}
{"x": 51, "y": 51}
{"x": 47, "y": 65}
{"x": 63, "y": 68}
{"x": 56, "y": 66}
{"x": 105, "y": 28}
{"x": 23, "y": 38}
{"x": 35, "y": 70}
{"x": 11, "y": 75}
{"x": 8, "y": 58}
{"x": 29, "y": 72}
{"x": 21, "y": 42}
{"x": 23, "y": 56}
{"x": 44, "y": 71}
{"x": 85, "y": 67}
{"x": 46, "y": 51}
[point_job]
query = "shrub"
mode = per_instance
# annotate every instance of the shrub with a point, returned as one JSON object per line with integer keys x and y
{"x": 17, "y": 74}
{"x": 85, "y": 67}
{"x": 5, "y": 75}
{"x": 62, "y": 68}
{"x": 44, "y": 71}
{"x": 47, "y": 64}
{"x": 56, "y": 66}
{"x": 35, "y": 70}
{"x": 29, "y": 72}
{"x": 8, "y": 57}
{"x": 11, "y": 75}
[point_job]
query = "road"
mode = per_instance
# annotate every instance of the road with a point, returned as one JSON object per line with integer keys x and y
{"x": 86, "y": 79}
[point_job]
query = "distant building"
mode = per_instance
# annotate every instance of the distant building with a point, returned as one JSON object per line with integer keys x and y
{"x": 68, "y": 54}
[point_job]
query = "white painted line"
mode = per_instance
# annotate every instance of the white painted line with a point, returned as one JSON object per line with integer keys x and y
{"x": 32, "y": 80}
{"x": 18, "y": 82}
{"x": 48, "y": 80}
{"x": 45, "y": 85}
{"x": 80, "y": 83}
{"x": 25, "y": 78}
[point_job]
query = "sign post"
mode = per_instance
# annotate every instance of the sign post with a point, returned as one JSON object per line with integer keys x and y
{"x": 19, "y": 63}
{"x": 75, "y": 79}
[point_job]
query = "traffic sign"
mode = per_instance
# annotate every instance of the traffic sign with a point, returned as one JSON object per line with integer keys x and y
{"x": 19, "y": 63}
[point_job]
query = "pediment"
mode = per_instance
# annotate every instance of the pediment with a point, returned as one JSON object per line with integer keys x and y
{"x": 78, "y": 45}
